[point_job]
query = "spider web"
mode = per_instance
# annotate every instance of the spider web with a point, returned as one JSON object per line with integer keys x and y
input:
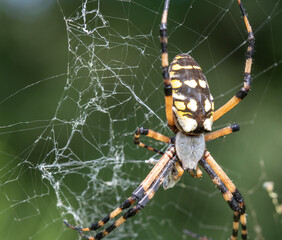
{"x": 79, "y": 161}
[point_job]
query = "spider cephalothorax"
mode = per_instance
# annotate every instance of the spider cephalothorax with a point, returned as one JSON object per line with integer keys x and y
{"x": 190, "y": 113}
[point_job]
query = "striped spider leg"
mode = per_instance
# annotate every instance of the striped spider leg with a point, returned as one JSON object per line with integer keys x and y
{"x": 229, "y": 192}
{"x": 141, "y": 196}
{"x": 243, "y": 92}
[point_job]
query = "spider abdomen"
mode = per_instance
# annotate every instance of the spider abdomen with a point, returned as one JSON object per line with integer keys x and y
{"x": 192, "y": 101}
{"x": 189, "y": 149}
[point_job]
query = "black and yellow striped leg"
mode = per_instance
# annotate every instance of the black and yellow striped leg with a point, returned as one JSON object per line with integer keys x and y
{"x": 140, "y": 204}
{"x": 222, "y": 132}
{"x": 238, "y": 214}
{"x": 152, "y": 134}
{"x": 165, "y": 72}
{"x": 154, "y": 173}
{"x": 138, "y": 194}
{"x": 126, "y": 204}
{"x": 227, "y": 195}
{"x": 243, "y": 92}
{"x": 243, "y": 220}
{"x": 242, "y": 217}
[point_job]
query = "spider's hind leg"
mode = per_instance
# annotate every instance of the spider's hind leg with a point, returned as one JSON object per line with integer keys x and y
{"x": 229, "y": 192}
{"x": 146, "y": 197}
{"x": 126, "y": 204}
{"x": 145, "y": 190}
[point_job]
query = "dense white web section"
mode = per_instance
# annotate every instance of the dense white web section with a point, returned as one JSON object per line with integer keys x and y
{"x": 82, "y": 162}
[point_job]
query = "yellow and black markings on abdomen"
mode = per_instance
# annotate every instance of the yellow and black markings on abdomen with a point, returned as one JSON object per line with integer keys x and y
{"x": 192, "y": 102}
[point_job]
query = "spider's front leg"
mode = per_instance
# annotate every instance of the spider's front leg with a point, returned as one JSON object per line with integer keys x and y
{"x": 243, "y": 92}
{"x": 165, "y": 70}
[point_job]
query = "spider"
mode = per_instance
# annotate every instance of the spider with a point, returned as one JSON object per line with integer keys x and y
{"x": 190, "y": 114}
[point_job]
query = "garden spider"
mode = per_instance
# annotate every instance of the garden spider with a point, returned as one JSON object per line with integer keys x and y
{"x": 190, "y": 113}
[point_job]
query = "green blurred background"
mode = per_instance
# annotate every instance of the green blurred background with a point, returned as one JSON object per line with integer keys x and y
{"x": 51, "y": 70}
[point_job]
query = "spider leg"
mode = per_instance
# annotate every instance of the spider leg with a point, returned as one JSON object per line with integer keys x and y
{"x": 152, "y": 134}
{"x": 126, "y": 204}
{"x": 229, "y": 192}
{"x": 247, "y": 72}
{"x": 222, "y": 132}
{"x": 165, "y": 70}
{"x": 138, "y": 194}
{"x": 149, "y": 194}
